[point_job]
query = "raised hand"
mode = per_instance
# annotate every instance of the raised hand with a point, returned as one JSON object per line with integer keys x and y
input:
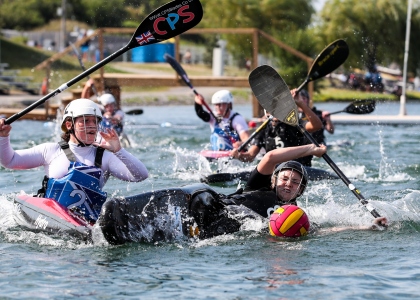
{"x": 4, "y": 129}
{"x": 110, "y": 140}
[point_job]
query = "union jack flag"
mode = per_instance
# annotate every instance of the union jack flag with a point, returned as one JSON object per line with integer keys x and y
{"x": 144, "y": 38}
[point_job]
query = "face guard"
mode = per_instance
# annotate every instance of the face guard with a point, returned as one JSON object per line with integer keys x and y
{"x": 293, "y": 166}
{"x": 85, "y": 129}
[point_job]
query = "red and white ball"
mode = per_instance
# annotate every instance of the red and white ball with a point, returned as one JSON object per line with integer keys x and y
{"x": 289, "y": 221}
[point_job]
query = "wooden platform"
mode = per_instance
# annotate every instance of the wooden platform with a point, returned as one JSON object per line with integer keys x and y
{"x": 38, "y": 114}
{"x": 118, "y": 79}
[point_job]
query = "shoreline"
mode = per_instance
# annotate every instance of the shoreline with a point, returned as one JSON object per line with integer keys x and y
{"x": 172, "y": 96}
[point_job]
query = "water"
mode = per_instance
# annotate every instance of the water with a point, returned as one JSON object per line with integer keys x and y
{"x": 382, "y": 161}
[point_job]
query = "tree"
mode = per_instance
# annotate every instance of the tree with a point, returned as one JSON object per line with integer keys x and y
{"x": 27, "y": 14}
{"x": 375, "y": 30}
{"x": 285, "y": 20}
{"x": 110, "y": 13}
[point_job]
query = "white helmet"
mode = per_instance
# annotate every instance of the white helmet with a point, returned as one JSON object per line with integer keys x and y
{"x": 222, "y": 96}
{"x": 80, "y": 107}
{"x": 106, "y": 99}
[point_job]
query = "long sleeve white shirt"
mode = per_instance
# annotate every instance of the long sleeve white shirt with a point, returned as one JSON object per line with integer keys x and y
{"x": 121, "y": 164}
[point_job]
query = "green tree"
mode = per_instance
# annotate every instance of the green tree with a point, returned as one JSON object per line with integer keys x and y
{"x": 138, "y": 10}
{"x": 99, "y": 13}
{"x": 27, "y": 14}
{"x": 375, "y": 30}
{"x": 285, "y": 20}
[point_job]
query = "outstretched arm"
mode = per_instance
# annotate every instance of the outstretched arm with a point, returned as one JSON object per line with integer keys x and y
{"x": 247, "y": 156}
{"x": 274, "y": 157}
{"x": 314, "y": 123}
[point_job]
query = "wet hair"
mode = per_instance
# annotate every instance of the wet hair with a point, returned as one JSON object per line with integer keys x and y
{"x": 66, "y": 135}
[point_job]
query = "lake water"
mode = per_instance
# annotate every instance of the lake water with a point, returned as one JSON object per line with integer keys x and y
{"x": 382, "y": 161}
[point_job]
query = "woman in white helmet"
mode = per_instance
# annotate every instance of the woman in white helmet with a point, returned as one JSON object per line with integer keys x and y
{"x": 228, "y": 127}
{"x": 112, "y": 117}
{"x": 77, "y": 167}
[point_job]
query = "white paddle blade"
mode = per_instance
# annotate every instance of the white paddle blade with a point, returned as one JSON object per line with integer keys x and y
{"x": 273, "y": 94}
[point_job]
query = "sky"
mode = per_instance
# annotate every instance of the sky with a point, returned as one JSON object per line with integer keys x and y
{"x": 318, "y": 4}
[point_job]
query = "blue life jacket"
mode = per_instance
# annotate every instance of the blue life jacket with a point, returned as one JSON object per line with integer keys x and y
{"x": 220, "y": 140}
{"x": 223, "y": 139}
{"x": 79, "y": 189}
{"x": 107, "y": 123}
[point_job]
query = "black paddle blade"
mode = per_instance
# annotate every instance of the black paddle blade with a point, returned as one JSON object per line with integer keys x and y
{"x": 273, "y": 94}
{"x": 167, "y": 21}
{"x": 333, "y": 56}
{"x": 134, "y": 112}
{"x": 360, "y": 107}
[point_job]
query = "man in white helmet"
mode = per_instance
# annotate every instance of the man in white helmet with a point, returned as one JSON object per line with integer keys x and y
{"x": 77, "y": 167}
{"x": 228, "y": 128}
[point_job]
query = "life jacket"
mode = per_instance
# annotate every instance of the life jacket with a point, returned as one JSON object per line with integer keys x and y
{"x": 107, "y": 123}
{"x": 79, "y": 190}
{"x": 283, "y": 136}
{"x": 223, "y": 139}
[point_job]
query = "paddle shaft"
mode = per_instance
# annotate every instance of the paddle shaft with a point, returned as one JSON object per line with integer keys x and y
{"x": 79, "y": 58}
{"x": 302, "y": 85}
{"x": 181, "y": 72}
{"x": 67, "y": 85}
{"x": 340, "y": 174}
{"x": 187, "y": 81}
{"x": 336, "y": 112}
{"x": 257, "y": 131}
{"x": 204, "y": 102}
{"x": 181, "y": 16}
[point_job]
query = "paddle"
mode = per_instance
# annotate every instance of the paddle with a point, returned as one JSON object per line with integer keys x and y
{"x": 134, "y": 112}
{"x": 181, "y": 72}
{"x": 358, "y": 107}
{"x": 258, "y": 130}
{"x": 330, "y": 58}
{"x": 274, "y": 96}
{"x": 79, "y": 58}
{"x": 209, "y": 154}
{"x": 164, "y": 23}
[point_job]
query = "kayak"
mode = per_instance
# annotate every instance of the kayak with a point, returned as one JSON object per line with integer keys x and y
{"x": 47, "y": 215}
{"x": 314, "y": 174}
{"x": 162, "y": 215}
{"x": 212, "y": 155}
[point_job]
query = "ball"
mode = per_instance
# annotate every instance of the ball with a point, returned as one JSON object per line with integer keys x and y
{"x": 289, "y": 221}
{"x": 252, "y": 124}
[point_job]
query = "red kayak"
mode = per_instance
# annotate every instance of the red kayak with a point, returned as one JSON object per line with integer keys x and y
{"x": 43, "y": 214}
{"x": 210, "y": 154}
